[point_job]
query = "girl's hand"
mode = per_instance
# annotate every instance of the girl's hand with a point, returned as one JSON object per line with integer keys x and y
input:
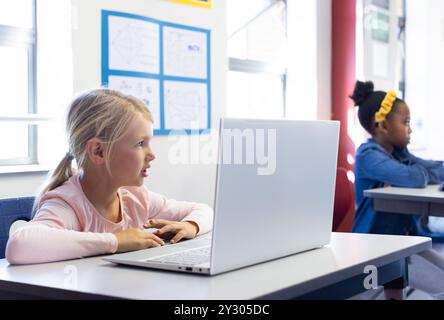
{"x": 136, "y": 239}
{"x": 174, "y": 230}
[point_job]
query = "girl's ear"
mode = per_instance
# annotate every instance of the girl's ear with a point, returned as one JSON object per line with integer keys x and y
{"x": 382, "y": 127}
{"x": 95, "y": 151}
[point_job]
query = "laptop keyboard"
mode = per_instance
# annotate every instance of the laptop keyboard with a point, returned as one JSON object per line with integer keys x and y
{"x": 188, "y": 257}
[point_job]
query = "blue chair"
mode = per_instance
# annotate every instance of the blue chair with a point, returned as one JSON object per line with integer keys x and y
{"x": 424, "y": 231}
{"x": 11, "y": 210}
{"x": 436, "y": 237}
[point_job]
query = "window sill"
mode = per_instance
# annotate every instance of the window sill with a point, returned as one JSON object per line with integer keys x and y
{"x": 34, "y": 168}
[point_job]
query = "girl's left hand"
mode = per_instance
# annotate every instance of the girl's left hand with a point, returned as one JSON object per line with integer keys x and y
{"x": 173, "y": 230}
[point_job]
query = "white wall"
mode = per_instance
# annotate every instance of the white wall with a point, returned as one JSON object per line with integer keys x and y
{"x": 309, "y": 60}
{"x": 20, "y": 184}
{"x": 191, "y": 182}
{"x": 424, "y": 72}
{"x": 324, "y": 56}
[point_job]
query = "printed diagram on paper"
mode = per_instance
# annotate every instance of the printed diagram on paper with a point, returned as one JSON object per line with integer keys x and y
{"x": 143, "y": 88}
{"x": 186, "y": 105}
{"x": 133, "y": 45}
{"x": 185, "y": 53}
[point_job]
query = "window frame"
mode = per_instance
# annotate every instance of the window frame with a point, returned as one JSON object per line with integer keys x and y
{"x": 402, "y": 20}
{"x": 250, "y": 66}
{"x": 26, "y": 38}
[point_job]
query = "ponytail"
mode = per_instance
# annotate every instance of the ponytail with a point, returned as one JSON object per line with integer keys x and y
{"x": 369, "y": 103}
{"x": 59, "y": 176}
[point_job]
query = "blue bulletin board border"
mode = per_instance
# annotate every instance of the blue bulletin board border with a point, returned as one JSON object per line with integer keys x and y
{"x": 107, "y": 72}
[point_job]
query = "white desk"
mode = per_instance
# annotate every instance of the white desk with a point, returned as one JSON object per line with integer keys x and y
{"x": 427, "y": 201}
{"x": 335, "y": 271}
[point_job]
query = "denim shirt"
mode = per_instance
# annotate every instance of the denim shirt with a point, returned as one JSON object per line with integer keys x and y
{"x": 376, "y": 168}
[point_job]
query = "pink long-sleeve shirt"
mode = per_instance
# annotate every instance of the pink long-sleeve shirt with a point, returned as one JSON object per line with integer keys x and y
{"x": 68, "y": 226}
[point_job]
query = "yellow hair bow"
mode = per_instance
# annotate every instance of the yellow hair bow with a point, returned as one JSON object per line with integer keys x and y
{"x": 386, "y": 106}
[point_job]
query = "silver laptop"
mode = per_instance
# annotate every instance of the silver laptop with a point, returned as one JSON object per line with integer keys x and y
{"x": 274, "y": 196}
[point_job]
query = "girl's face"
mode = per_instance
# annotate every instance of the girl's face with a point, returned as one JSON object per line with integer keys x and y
{"x": 398, "y": 126}
{"x": 132, "y": 154}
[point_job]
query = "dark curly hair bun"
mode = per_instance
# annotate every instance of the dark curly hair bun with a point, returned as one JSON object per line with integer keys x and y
{"x": 362, "y": 91}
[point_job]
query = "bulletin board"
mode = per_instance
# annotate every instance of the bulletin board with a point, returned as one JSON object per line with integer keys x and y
{"x": 166, "y": 65}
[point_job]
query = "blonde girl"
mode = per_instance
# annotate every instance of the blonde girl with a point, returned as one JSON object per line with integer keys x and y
{"x": 102, "y": 207}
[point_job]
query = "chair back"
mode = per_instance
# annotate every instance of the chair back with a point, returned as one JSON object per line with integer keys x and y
{"x": 343, "y": 197}
{"x": 11, "y": 210}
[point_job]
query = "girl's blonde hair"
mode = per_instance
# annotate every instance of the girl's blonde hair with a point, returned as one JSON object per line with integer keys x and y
{"x": 97, "y": 113}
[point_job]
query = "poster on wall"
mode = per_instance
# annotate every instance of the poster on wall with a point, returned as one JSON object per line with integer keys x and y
{"x": 166, "y": 65}
{"x": 197, "y": 3}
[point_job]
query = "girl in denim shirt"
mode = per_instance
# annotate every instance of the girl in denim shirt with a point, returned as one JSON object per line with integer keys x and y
{"x": 385, "y": 160}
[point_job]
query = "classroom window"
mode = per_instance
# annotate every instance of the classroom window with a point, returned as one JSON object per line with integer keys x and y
{"x": 380, "y": 51}
{"x": 380, "y": 39}
{"x": 17, "y": 82}
{"x": 257, "y": 45}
